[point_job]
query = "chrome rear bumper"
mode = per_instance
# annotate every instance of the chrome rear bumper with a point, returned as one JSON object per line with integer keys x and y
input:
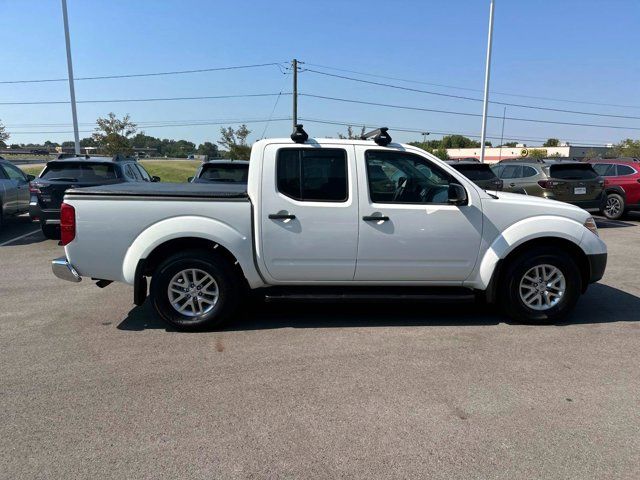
{"x": 64, "y": 270}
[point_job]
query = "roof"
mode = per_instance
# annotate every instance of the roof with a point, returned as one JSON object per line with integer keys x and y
{"x": 227, "y": 162}
{"x": 622, "y": 161}
{"x": 333, "y": 141}
{"x": 87, "y": 160}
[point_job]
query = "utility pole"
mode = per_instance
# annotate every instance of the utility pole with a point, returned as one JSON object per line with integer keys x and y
{"x": 504, "y": 114}
{"x": 487, "y": 74}
{"x": 295, "y": 92}
{"x": 424, "y": 137}
{"x": 72, "y": 89}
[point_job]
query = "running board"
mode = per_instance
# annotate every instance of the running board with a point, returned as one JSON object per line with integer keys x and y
{"x": 351, "y": 294}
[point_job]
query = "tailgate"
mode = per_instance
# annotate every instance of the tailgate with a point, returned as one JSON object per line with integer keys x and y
{"x": 575, "y": 182}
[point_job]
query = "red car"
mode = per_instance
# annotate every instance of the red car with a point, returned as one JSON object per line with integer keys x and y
{"x": 621, "y": 184}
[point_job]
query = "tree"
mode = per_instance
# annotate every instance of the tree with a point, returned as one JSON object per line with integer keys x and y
{"x": 4, "y": 136}
{"x": 537, "y": 153}
{"x": 209, "y": 149}
{"x": 113, "y": 134}
{"x": 441, "y": 153}
{"x": 510, "y": 144}
{"x": 458, "y": 141}
{"x": 351, "y": 135}
{"x": 235, "y": 141}
{"x": 628, "y": 148}
{"x": 551, "y": 142}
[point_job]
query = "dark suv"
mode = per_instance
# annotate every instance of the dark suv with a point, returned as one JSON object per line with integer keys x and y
{"x": 47, "y": 191}
{"x": 479, "y": 173}
{"x": 566, "y": 181}
{"x": 222, "y": 171}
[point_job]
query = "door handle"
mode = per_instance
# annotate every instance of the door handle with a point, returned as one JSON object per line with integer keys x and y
{"x": 281, "y": 216}
{"x": 375, "y": 218}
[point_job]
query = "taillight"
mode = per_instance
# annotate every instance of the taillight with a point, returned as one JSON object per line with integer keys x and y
{"x": 34, "y": 188}
{"x": 547, "y": 183}
{"x": 67, "y": 223}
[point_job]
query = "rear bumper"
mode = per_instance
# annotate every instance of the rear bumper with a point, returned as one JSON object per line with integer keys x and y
{"x": 64, "y": 270}
{"x": 597, "y": 266}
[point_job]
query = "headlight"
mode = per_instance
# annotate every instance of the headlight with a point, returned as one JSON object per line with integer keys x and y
{"x": 590, "y": 224}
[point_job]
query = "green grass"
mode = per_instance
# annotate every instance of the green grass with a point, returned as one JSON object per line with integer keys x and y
{"x": 168, "y": 170}
{"x": 171, "y": 170}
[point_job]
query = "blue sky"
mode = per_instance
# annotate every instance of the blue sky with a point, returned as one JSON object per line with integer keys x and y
{"x": 583, "y": 50}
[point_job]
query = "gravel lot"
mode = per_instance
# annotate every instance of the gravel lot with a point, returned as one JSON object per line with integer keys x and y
{"x": 91, "y": 387}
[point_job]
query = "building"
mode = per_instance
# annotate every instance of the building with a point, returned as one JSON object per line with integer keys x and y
{"x": 495, "y": 154}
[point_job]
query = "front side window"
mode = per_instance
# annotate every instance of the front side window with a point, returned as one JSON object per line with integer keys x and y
{"x": 400, "y": 177}
{"x": 15, "y": 173}
{"x": 313, "y": 175}
{"x": 145, "y": 175}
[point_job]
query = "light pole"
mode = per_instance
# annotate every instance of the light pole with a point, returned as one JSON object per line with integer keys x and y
{"x": 72, "y": 90}
{"x": 487, "y": 74}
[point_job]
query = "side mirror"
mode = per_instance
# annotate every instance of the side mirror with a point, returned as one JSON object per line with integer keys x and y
{"x": 155, "y": 179}
{"x": 457, "y": 194}
{"x": 190, "y": 179}
{"x": 30, "y": 177}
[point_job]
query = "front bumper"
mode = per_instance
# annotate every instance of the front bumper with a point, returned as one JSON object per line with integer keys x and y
{"x": 64, "y": 270}
{"x": 597, "y": 266}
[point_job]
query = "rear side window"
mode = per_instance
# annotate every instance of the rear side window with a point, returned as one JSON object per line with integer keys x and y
{"x": 573, "y": 172}
{"x": 225, "y": 172}
{"x": 310, "y": 174}
{"x": 475, "y": 172}
{"x": 78, "y": 171}
{"x": 605, "y": 169}
{"x": 625, "y": 170}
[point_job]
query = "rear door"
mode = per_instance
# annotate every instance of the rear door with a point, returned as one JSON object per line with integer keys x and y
{"x": 19, "y": 185}
{"x": 575, "y": 182}
{"x": 511, "y": 175}
{"x": 308, "y": 213}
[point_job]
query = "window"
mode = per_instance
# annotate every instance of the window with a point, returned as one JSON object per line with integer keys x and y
{"x": 605, "y": 169}
{"x": 399, "y": 177}
{"x": 14, "y": 173}
{"x": 576, "y": 171}
{"x": 132, "y": 173}
{"x": 474, "y": 172}
{"x": 145, "y": 175}
{"x": 77, "y": 171}
{"x": 310, "y": 174}
{"x": 225, "y": 172}
{"x": 512, "y": 171}
{"x": 625, "y": 170}
{"x": 528, "y": 172}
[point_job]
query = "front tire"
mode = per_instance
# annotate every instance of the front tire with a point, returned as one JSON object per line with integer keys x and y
{"x": 196, "y": 289}
{"x": 614, "y": 206}
{"x": 541, "y": 286}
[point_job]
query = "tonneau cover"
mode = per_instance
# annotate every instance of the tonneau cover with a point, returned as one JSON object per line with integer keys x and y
{"x": 149, "y": 189}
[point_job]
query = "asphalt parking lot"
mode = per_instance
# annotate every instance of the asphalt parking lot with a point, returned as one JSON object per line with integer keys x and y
{"x": 91, "y": 387}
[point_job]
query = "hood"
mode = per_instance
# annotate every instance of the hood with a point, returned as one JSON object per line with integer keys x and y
{"x": 537, "y": 206}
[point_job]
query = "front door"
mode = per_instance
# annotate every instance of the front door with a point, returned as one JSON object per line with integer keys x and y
{"x": 409, "y": 232}
{"x": 308, "y": 213}
{"x": 18, "y": 189}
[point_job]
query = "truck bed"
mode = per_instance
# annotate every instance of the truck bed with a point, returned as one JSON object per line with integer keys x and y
{"x": 177, "y": 190}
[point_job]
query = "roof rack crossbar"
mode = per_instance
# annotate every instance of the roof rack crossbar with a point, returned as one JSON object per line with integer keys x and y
{"x": 380, "y": 136}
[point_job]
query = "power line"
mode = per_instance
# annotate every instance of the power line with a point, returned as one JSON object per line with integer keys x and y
{"x": 151, "y": 74}
{"x": 160, "y": 99}
{"x": 466, "y": 114}
{"x": 462, "y": 97}
{"x": 535, "y": 97}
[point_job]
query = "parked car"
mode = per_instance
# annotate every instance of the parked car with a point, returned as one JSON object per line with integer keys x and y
{"x": 48, "y": 189}
{"x": 14, "y": 190}
{"x": 222, "y": 171}
{"x": 479, "y": 173}
{"x": 566, "y": 181}
{"x": 621, "y": 185}
{"x": 329, "y": 219}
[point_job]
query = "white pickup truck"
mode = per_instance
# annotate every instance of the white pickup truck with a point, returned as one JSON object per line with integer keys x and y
{"x": 327, "y": 219}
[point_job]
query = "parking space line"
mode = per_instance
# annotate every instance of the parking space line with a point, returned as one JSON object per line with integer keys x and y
{"x": 18, "y": 238}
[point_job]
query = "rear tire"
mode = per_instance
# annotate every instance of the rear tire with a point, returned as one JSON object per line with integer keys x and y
{"x": 196, "y": 290}
{"x": 540, "y": 286}
{"x": 614, "y": 207}
{"x": 52, "y": 232}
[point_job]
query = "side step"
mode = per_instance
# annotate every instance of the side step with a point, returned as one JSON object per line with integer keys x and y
{"x": 370, "y": 294}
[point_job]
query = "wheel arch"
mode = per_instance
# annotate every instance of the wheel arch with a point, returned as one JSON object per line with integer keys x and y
{"x": 616, "y": 189}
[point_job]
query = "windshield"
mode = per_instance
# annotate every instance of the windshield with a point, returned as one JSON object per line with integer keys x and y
{"x": 225, "y": 172}
{"x": 573, "y": 172}
{"x": 475, "y": 172}
{"x": 79, "y": 171}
